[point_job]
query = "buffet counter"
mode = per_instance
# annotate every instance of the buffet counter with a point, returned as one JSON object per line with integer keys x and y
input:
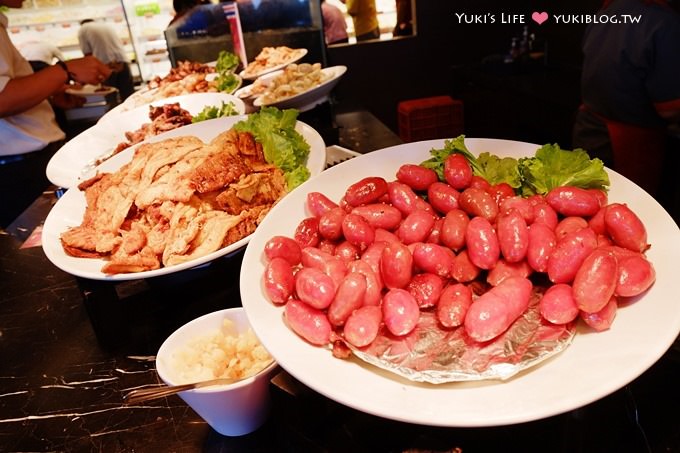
{"x": 72, "y": 348}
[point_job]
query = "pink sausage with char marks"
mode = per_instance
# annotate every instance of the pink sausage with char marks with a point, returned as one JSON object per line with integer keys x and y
{"x": 400, "y": 311}
{"x": 573, "y": 201}
{"x": 595, "y": 281}
{"x": 379, "y": 215}
{"x": 363, "y": 325}
{"x": 495, "y": 311}
{"x": 454, "y": 304}
{"x": 283, "y": 247}
{"x": 368, "y": 190}
{"x": 569, "y": 254}
{"x": 279, "y": 280}
{"x": 308, "y": 322}
{"x": 319, "y": 203}
{"x": 482, "y": 243}
{"x": 416, "y": 176}
{"x": 348, "y": 297}
{"x": 558, "y": 305}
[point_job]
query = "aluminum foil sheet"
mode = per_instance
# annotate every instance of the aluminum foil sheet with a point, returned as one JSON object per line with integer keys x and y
{"x": 431, "y": 353}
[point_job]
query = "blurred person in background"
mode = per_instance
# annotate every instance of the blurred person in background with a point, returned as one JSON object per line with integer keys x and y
{"x": 404, "y": 26}
{"x": 100, "y": 39}
{"x": 40, "y": 54}
{"x": 334, "y": 24}
{"x": 630, "y": 90}
{"x": 365, "y": 18}
{"x": 29, "y": 134}
{"x": 182, "y": 7}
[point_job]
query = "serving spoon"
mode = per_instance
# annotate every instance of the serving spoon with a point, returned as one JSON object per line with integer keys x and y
{"x": 141, "y": 395}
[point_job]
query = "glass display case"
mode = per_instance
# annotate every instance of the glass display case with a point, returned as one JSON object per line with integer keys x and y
{"x": 203, "y": 32}
{"x": 58, "y": 21}
{"x": 139, "y": 23}
{"x": 147, "y": 20}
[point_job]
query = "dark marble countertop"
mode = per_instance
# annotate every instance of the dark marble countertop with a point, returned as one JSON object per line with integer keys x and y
{"x": 70, "y": 349}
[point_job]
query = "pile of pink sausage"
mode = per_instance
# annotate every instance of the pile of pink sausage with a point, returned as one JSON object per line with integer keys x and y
{"x": 389, "y": 249}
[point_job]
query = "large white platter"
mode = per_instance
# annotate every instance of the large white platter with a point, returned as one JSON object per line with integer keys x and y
{"x": 69, "y": 209}
{"x": 595, "y": 365}
{"x": 307, "y": 99}
{"x": 65, "y": 168}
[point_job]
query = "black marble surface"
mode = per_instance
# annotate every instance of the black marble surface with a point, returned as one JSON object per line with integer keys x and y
{"x": 70, "y": 349}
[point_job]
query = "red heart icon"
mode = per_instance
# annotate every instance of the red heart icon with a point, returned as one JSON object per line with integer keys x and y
{"x": 539, "y": 18}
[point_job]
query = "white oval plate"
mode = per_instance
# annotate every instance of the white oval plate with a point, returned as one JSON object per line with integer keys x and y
{"x": 139, "y": 98}
{"x": 595, "y": 365}
{"x": 69, "y": 209}
{"x": 307, "y": 99}
{"x": 65, "y": 168}
{"x": 295, "y": 56}
{"x": 150, "y": 96}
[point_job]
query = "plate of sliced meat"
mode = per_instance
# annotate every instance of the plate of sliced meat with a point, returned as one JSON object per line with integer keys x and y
{"x": 75, "y": 160}
{"x": 173, "y": 202}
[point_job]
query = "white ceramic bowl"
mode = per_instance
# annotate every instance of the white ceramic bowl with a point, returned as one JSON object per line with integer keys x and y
{"x": 231, "y": 410}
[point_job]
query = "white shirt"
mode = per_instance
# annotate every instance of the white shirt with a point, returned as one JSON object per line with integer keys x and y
{"x": 101, "y": 40}
{"x": 34, "y": 128}
{"x": 40, "y": 51}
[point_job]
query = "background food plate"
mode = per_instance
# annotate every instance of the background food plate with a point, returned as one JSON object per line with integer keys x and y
{"x": 295, "y": 56}
{"x": 310, "y": 98}
{"x": 147, "y": 96}
{"x": 65, "y": 168}
{"x": 595, "y": 364}
{"x": 69, "y": 209}
{"x": 92, "y": 93}
{"x": 141, "y": 97}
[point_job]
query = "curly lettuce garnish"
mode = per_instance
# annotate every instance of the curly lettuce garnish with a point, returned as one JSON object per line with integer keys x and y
{"x": 489, "y": 166}
{"x": 550, "y": 167}
{"x": 227, "y": 63}
{"x": 282, "y": 145}
{"x": 553, "y": 167}
{"x": 213, "y": 111}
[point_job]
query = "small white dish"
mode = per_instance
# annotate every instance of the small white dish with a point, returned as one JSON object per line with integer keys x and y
{"x": 231, "y": 410}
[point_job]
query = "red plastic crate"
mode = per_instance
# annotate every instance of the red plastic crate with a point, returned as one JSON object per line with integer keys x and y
{"x": 430, "y": 118}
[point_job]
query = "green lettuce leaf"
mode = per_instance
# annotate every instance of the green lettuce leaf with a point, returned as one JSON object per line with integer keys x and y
{"x": 212, "y": 111}
{"x": 456, "y": 145}
{"x": 282, "y": 145}
{"x": 550, "y": 167}
{"x": 489, "y": 166}
{"x": 553, "y": 167}
{"x": 498, "y": 169}
{"x": 225, "y": 66}
{"x": 227, "y": 82}
{"x": 227, "y": 62}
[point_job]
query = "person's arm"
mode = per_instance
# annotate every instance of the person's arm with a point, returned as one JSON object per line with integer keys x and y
{"x": 22, "y": 93}
{"x": 57, "y": 53}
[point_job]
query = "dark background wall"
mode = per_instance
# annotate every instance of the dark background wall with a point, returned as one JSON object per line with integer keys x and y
{"x": 533, "y": 102}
